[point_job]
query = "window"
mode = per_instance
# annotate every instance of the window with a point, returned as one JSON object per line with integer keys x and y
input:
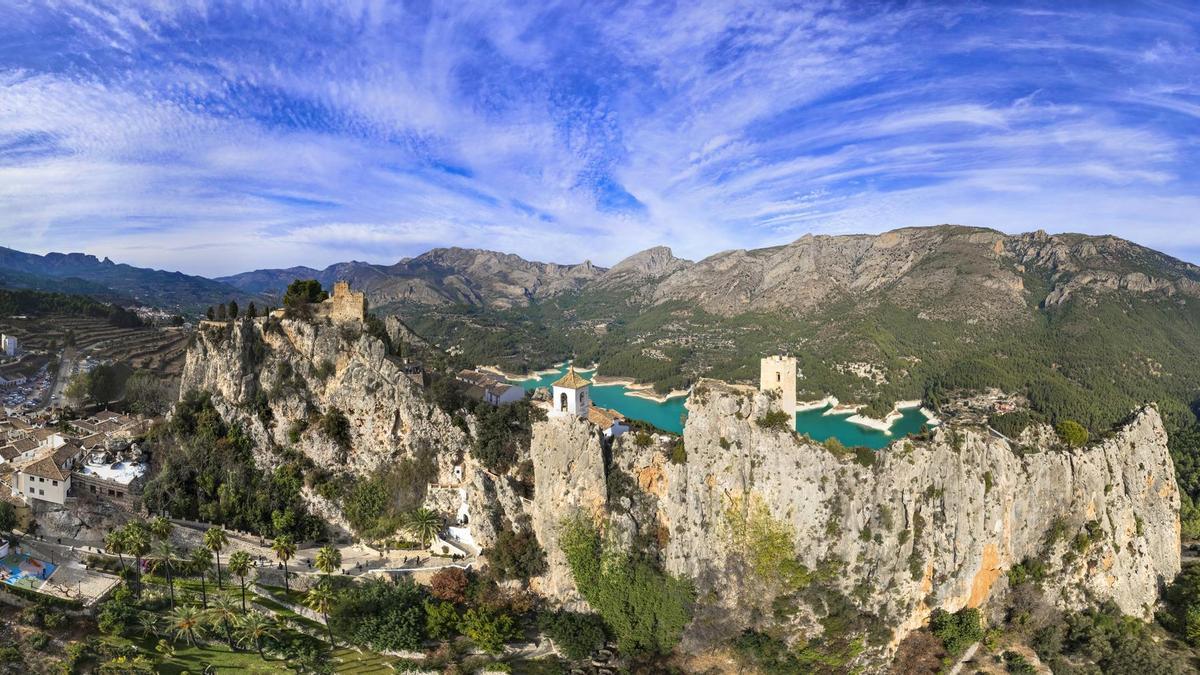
{"x": 778, "y": 377}
{"x": 54, "y": 483}
{"x": 41, "y": 493}
{"x": 30, "y": 489}
{"x": 41, "y": 480}
{"x": 563, "y": 399}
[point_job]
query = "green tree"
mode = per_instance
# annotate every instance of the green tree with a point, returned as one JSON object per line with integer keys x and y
{"x": 233, "y": 309}
{"x": 253, "y": 628}
{"x": 441, "y": 619}
{"x": 329, "y": 560}
{"x": 8, "y": 517}
{"x": 957, "y": 631}
{"x": 137, "y": 542}
{"x": 239, "y": 566}
{"x": 488, "y": 629}
{"x": 215, "y": 539}
{"x": 201, "y": 560}
{"x": 423, "y": 524}
{"x": 284, "y": 549}
{"x": 114, "y": 542}
{"x": 576, "y": 634}
{"x": 1072, "y": 433}
{"x": 185, "y": 620}
{"x": 224, "y": 613}
{"x": 167, "y": 555}
{"x": 320, "y": 599}
{"x": 161, "y": 528}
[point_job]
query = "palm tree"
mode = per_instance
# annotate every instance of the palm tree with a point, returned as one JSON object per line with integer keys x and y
{"x": 216, "y": 540}
{"x": 114, "y": 542}
{"x": 284, "y": 549}
{"x": 239, "y": 565}
{"x": 185, "y": 619}
{"x": 255, "y": 627}
{"x": 224, "y": 612}
{"x": 137, "y": 542}
{"x": 161, "y": 528}
{"x": 329, "y": 559}
{"x": 167, "y": 555}
{"x": 201, "y": 558}
{"x": 320, "y": 598}
{"x": 148, "y": 622}
{"x": 423, "y": 524}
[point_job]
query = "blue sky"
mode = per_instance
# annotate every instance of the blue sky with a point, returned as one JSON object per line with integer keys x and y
{"x": 220, "y": 137}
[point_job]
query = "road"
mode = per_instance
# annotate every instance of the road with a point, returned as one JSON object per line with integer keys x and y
{"x": 67, "y": 361}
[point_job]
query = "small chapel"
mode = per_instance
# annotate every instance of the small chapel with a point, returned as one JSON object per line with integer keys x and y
{"x": 572, "y": 395}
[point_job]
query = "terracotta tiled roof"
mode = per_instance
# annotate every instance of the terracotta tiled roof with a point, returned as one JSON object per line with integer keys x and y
{"x": 8, "y": 452}
{"x": 25, "y": 444}
{"x": 52, "y": 465}
{"x": 604, "y": 417}
{"x": 571, "y": 380}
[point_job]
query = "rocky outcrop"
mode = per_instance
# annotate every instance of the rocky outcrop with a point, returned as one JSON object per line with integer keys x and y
{"x": 569, "y": 476}
{"x": 924, "y": 524}
{"x": 278, "y": 377}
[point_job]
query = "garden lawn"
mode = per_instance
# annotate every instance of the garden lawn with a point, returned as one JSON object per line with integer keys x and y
{"x": 210, "y": 653}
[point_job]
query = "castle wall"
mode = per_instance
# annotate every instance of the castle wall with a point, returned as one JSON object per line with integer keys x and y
{"x": 778, "y": 373}
{"x": 344, "y": 305}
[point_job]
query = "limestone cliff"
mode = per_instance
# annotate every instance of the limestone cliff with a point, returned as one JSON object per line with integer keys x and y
{"x": 933, "y": 523}
{"x": 278, "y": 376}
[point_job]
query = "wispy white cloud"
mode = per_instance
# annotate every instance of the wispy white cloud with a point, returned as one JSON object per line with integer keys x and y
{"x": 215, "y": 137}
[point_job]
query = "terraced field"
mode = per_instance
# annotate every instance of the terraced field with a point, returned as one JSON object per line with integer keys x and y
{"x": 157, "y": 349}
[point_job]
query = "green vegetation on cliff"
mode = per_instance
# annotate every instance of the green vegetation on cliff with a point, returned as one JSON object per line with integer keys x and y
{"x": 645, "y": 607}
{"x": 206, "y": 471}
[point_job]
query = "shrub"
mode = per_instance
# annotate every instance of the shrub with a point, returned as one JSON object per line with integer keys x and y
{"x": 517, "y": 555}
{"x": 488, "y": 629}
{"x": 1072, "y": 433}
{"x": 775, "y": 419}
{"x": 450, "y": 584}
{"x": 336, "y": 427}
{"x": 646, "y": 608}
{"x": 441, "y": 620}
{"x": 576, "y": 634}
{"x": 957, "y": 631}
{"x": 679, "y": 453}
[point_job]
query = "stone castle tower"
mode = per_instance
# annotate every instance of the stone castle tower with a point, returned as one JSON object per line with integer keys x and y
{"x": 778, "y": 373}
{"x": 345, "y": 305}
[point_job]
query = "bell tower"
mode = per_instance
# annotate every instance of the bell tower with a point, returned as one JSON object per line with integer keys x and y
{"x": 572, "y": 395}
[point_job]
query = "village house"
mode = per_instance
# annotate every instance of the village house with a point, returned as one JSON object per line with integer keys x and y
{"x": 488, "y": 388}
{"x": 47, "y": 475}
{"x": 52, "y": 464}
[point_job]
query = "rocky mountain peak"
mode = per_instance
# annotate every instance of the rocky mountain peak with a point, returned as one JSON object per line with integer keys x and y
{"x": 653, "y": 262}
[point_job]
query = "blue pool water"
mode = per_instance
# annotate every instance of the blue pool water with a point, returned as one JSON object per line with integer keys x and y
{"x": 18, "y": 569}
{"x": 671, "y": 414}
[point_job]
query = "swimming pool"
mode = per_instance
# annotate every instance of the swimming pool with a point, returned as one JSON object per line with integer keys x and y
{"x": 18, "y": 569}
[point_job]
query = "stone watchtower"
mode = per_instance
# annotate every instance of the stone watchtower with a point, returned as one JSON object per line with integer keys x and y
{"x": 778, "y": 373}
{"x": 346, "y": 305}
{"x": 572, "y": 395}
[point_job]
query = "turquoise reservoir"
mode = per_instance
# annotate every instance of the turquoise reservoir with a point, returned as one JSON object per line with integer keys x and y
{"x": 670, "y": 415}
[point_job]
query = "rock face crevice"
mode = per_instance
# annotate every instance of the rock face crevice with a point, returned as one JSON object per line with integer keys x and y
{"x": 933, "y": 523}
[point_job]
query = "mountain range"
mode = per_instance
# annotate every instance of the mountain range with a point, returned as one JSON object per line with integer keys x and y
{"x": 105, "y": 280}
{"x": 949, "y": 270}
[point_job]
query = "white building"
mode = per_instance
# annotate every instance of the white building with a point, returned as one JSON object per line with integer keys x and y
{"x": 48, "y": 476}
{"x": 8, "y": 345}
{"x": 572, "y": 395}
